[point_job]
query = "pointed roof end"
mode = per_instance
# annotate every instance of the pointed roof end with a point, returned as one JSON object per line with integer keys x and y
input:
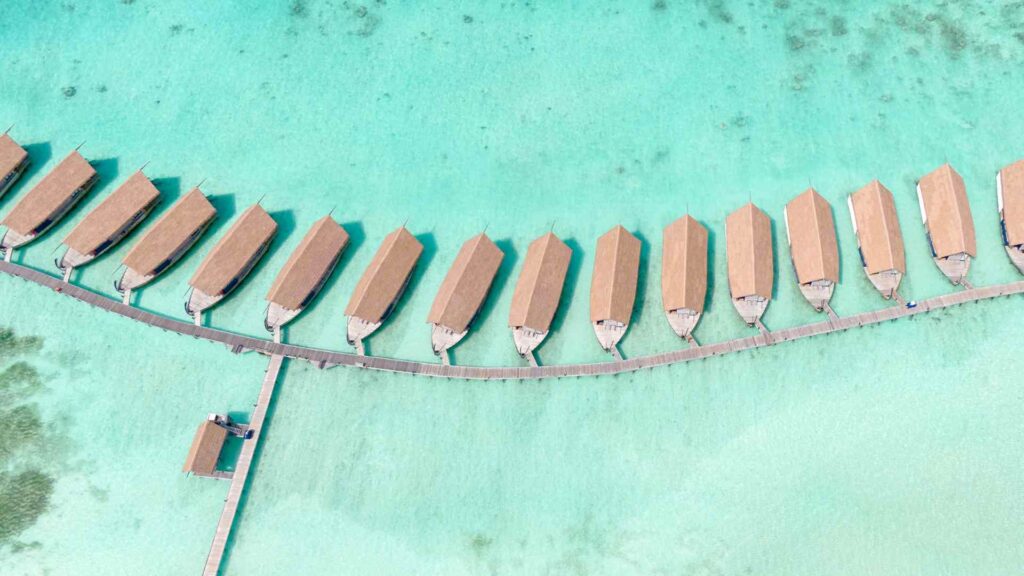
{"x": 325, "y": 220}
{"x": 546, "y": 237}
{"x": 616, "y": 231}
{"x": 683, "y": 221}
{"x": 1012, "y": 167}
{"x": 751, "y": 209}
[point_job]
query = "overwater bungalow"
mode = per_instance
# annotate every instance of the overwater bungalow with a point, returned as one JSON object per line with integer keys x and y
{"x": 230, "y": 261}
{"x": 382, "y": 285}
{"x": 305, "y": 272}
{"x": 811, "y": 233}
{"x": 54, "y": 196}
{"x": 613, "y": 286}
{"x": 463, "y": 292}
{"x": 948, "y": 222}
{"x": 166, "y": 241}
{"x": 748, "y": 240}
{"x": 1010, "y": 189}
{"x": 13, "y": 162}
{"x": 684, "y": 274}
{"x": 538, "y": 292}
{"x": 110, "y": 222}
{"x": 879, "y": 240}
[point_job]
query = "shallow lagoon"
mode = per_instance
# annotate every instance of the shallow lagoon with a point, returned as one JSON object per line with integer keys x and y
{"x": 888, "y": 449}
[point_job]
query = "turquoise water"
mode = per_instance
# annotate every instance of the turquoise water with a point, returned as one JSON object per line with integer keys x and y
{"x": 893, "y": 449}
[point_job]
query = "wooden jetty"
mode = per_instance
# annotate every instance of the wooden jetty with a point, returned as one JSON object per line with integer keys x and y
{"x": 327, "y": 358}
{"x": 242, "y": 468}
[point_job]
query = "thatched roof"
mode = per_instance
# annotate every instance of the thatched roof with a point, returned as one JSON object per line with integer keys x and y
{"x": 539, "y": 287}
{"x": 113, "y": 214}
{"x": 11, "y": 155}
{"x": 466, "y": 285}
{"x": 812, "y": 238}
{"x": 234, "y": 251}
{"x": 616, "y": 269}
{"x": 878, "y": 229}
{"x": 205, "y": 450}
{"x": 1012, "y": 178}
{"x": 52, "y": 192}
{"x": 748, "y": 239}
{"x": 307, "y": 265}
{"x": 189, "y": 214}
{"x": 944, "y": 201}
{"x": 384, "y": 278}
{"x": 684, "y": 265}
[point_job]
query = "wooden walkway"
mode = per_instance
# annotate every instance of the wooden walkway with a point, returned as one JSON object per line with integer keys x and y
{"x": 327, "y": 358}
{"x": 242, "y": 467}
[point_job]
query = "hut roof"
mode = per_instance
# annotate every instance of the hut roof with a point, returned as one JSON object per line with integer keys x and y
{"x": 308, "y": 264}
{"x": 812, "y": 238}
{"x": 878, "y": 229}
{"x": 384, "y": 278}
{"x": 539, "y": 287}
{"x": 234, "y": 251}
{"x": 116, "y": 211}
{"x": 616, "y": 269}
{"x": 205, "y": 450}
{"x": 184, "y": 218}
{"x": 748, "y": 239}
{"x": 944, "y": 200}
{"x": 684, "y": 265}
{"x": 1012, "y": 178}
{"x": 52, "y": 192}
{"x": 466, "y": 285}
{"x": 11, "y": 155}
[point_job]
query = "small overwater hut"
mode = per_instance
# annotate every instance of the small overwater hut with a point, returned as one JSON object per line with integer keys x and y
{"x": 382, "y": 285}
{"x": 613, "y": 286}
{"x": 748, "y": 240}
{"x": 230, "y": 261}
{"x": 684, "y": 274}
{"x": 463, "y": 292}
{"x": 811, "y": 234}
{"x": 948, "y": 222}
{"x": 879, "y": 239}
{"x": 538, "y": 292}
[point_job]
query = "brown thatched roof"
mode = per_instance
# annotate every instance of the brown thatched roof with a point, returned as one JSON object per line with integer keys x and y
{"x": 466, "y": 285}
{"x": 384, "y": 278}
{"x": 748, "y": 239}
{"x": 616, "y": 269}
{"x": 113, "y": 214}
{"x": 234, "y": 251}
{"x": 684, "y": 265}
{"x": 308, "y": 264}
{"x": 812, "y": 238}
{"x": 189, "y": 214}
{"x": 1012, "y": 178}
{"x": 950, "y": 225}
{"x": 52, "y": 192}
{"x": 878, "y": 229}
{"x": 205, "y": 450}
{"x": 539, "y": 287}
{"x": 11, "y": 155}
